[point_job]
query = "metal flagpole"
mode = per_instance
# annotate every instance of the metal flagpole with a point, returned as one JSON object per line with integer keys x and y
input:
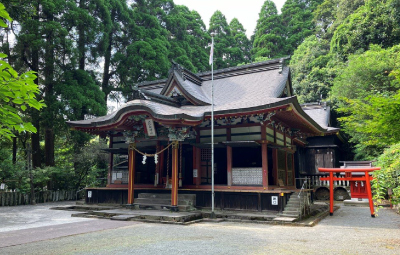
{"x": 212, "y": 129}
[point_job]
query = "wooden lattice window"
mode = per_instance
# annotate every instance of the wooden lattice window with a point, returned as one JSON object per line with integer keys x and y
{"x": 290, "y": 169}
{"x": 205, "y": 154}
{"x": 282, "y": 166}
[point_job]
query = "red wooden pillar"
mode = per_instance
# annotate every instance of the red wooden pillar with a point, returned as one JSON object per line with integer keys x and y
{"x": 194, "y": 157}
{"x": 275, "y": 165}
{"x": 198, "y": 161}
{"x": 368, "y": 183}
{"x": 131, "y": 176}
{"x": 293, "y": 171}
{"x": 331, "y": 193}
{"x": 198, "y": 166}
{"x": 264, "y": 156}
{"x": 174, "y": 190}
{"x": 161, "y": 164}
{"x": 229, "y": 164}
{"x": 229, "y": 158}
{"x": 286, "y": 169}
{"x": 157, "y": 171}
{"x": 264, "y": 151}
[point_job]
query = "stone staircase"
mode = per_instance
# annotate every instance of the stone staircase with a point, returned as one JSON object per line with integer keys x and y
{"x": 296, "y": 205}
{"x": 159, "y": 201}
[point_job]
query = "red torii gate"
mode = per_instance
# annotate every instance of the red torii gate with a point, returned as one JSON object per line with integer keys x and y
{"x": 349, "y": 177}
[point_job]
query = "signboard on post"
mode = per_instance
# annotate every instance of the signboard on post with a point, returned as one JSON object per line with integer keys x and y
{"x": 89, "y": 194}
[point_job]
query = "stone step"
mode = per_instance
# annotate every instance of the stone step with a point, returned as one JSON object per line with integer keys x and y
{"x": 291, "y": 211}
{"x": 289, "y": 215}
{"x": 183, "y": 208}
{"x": 167, "y": 196}
{"x": 291, "y": 207}
{"x": 161, "y": 201}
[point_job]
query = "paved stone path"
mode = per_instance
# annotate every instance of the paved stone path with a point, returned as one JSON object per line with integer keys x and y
{"x": 350, "y": 231}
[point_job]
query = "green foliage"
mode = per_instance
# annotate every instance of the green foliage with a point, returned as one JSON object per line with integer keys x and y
{"x": 188, "y": 38}
{"x": 368, "y": 74}
{"x": 17, "y": 93}
{"x": 297, "y": 20}
{"x": 371, "y": 105}
{"x": 389, "y": 176}
{"x": 268, "y": 39}
{"x": 311, "y": 70}
{"x": 223, "y": 41}
{"x": 80, "y": 95}
{"x": 332, "y": 13}
{"x": 240, "y": 51}
{"x": 13, "y": 175}
{"x": 376, "y": 22}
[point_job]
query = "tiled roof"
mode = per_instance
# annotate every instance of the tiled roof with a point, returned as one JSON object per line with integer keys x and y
{"x": 320, "y": 114}
{"x": 237, "y": 89}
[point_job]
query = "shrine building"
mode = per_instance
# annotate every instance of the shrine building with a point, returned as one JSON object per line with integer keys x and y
{"x": 160, "y": 140}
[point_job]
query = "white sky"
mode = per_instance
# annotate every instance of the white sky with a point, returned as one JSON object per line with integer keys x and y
{"x": 246, "y": 11}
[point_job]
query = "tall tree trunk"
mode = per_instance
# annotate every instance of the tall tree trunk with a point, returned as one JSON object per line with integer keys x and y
{"x": 81, "y": 39}
{"x": 49, "y": 95}
{"x": 107, "y": 61}
{"x": 35, "y": 137}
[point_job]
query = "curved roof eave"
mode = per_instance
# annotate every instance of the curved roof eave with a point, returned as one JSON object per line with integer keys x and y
{"x": 128, "y": 110}
{"x": 306, "y": 117}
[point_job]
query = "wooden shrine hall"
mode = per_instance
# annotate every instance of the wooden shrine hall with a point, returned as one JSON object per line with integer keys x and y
{"x": 160, "y": 140}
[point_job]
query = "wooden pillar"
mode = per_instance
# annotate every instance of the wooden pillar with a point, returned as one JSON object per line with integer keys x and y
{"x": 131, "y": 176}
{"x": 161, "y": 163}
{"x": 293, "y": 171}
{"x": 264, "y": 151}
{"x": 157, "y": 170}
{"x": 111, "y": 162}
{"x": 198, "y": 166}
{"x": 331, "y": 199}
{"x": 286, "y": 159}
{"x": 229, "y": 164}
{"x": 229, "y": 158}
{"x": 286, "y": 169}
{"x": 275, "y": 165}
{"x": 264, "y": 156}
{"x": 174, "y": 190}
{"x": 198, "y": 160}
{"x": 368, "y": 187}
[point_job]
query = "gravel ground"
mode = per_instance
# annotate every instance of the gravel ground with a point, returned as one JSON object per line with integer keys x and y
{"x": 350, "y": 231}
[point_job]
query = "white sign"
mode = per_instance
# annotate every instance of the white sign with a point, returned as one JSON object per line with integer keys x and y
{"x": 274, "y": 200}
{"x": 89, "y": 194}
{"x": 3, "y": 186}
{"x": 119, "y": 175}
{"x": 194, "y": 173}
{"x": 151, "y": 130}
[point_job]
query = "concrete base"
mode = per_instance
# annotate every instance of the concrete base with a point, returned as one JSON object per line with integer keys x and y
{"x": 363, "y": 202}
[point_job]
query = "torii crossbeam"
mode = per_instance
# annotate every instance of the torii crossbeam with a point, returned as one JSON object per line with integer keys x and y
{"x": 349, "y": 177}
